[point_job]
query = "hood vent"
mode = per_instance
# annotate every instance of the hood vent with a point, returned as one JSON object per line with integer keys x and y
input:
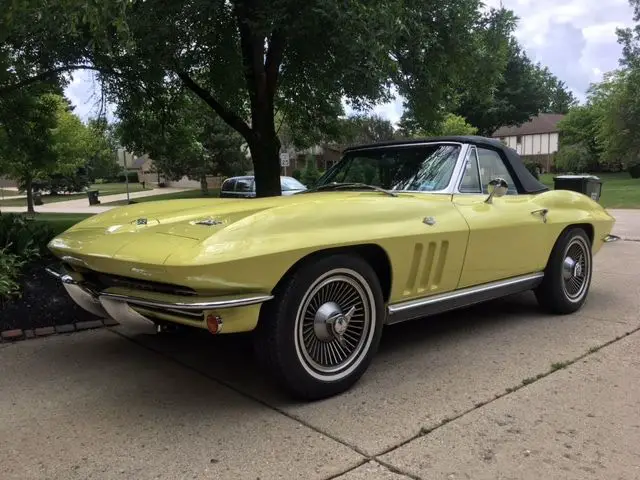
{"x": 210, "y": 222}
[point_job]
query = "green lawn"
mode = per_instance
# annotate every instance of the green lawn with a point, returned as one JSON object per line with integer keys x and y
{"x": 196, "y": 193}
{"x": 103, "y": 188}
{"x": 619, "y": 190}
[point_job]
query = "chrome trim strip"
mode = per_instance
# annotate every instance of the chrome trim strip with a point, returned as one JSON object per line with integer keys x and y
{"x": 119, "y": 305}
{"x": 434, "y": 304}
{"x": 206, "y": 304}
{"x": 403, "y": 145}
{"x": 611, "y": 238}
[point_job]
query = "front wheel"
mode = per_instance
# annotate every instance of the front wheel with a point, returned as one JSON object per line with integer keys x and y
{"x": 568, "y": 274}
{"x": 320, "y": 332}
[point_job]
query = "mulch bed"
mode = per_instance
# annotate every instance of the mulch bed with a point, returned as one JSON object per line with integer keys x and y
{"x": 44, "y": 307}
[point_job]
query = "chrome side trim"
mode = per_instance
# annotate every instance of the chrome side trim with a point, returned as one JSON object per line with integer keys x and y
{"x": 422, "y": 307}
{"x": 198, "y": 303}
{"x": 611, "y": 238}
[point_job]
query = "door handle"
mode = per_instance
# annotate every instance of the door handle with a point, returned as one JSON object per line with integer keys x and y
{"x": 542, "y": 212}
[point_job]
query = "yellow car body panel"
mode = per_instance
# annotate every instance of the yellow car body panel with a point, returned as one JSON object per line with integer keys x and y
{"x": 509, "y": 237}
{"x": 435, "y": 243}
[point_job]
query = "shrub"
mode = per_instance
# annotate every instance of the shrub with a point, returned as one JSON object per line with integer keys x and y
{"x": 297, "y": 174}
{"x": 573, "y": 158}
{"x": 10, "y": 267}
{"x": 23, "y": 237}
{"x": 57, "y": 183}
{"x": 122, "y": 177}
{"x": 634, "y": 170}
{"x": 310, "y": 174}
{"x": 534, "y": 168}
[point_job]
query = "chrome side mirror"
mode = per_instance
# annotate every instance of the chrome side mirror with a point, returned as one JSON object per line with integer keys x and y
{"x": 497, "y": 188}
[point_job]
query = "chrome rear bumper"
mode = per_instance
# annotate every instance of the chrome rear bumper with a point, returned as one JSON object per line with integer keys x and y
{"x": 121, "y": 303}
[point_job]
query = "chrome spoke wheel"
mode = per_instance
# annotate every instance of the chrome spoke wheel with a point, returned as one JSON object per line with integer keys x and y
{"x": 335, "y": 324}
{"x": 576, "y": 269}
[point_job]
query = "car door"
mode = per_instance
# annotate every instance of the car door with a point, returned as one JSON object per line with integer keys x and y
{"x": 508, "y": 237}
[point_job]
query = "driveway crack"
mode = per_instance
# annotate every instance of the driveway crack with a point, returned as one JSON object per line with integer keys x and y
{"x": 422, "y": 433}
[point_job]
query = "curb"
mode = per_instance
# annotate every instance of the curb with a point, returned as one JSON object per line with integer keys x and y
{"x": 10, "y": 336}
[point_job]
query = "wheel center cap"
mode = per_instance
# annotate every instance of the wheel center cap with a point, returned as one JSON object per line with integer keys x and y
{"x": 340, "y": 325}
{"x": 577, "y": 270}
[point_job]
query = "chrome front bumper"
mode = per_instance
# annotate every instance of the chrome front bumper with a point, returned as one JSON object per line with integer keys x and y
{"x": 122, "y": 304}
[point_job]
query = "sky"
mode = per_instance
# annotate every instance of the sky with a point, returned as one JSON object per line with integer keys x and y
{"x": 575, "y": 38}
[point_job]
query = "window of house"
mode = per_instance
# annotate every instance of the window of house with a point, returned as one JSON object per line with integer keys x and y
{"x": 519, "y": 139}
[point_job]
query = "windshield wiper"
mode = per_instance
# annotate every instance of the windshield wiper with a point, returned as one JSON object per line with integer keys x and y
{"x": 331, "y": 186}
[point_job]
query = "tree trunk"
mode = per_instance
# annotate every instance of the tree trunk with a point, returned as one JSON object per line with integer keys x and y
{"x": 265, "y": 156}
{"x": 204, "y": 186}
{"x": 265, "y": 147}
{"x": 29, "y": 188}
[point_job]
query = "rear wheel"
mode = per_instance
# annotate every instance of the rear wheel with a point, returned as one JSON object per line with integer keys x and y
{"x": 320, "y": 332}
{"x": 568, "y": 274}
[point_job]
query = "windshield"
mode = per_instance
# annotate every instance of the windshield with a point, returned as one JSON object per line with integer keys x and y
{"x": 425, "y": 168}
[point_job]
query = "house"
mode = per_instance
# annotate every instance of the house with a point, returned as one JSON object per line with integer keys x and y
{"x": 535, "y": 140}
{"x": 325, "y": 157}
{"x": 6, "y": 182}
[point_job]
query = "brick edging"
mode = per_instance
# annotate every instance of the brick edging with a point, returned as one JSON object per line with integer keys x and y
{"x": 14, "y": 335}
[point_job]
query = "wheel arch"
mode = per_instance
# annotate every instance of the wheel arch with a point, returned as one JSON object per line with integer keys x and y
{"x": 373, "y": 254}
{"x": 587, "y": 227}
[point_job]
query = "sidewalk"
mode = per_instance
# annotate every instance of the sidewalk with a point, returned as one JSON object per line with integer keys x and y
{"x": 81, "y": 205}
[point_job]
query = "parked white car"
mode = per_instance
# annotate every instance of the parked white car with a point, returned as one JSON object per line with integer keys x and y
{"x": 245, "y": 186}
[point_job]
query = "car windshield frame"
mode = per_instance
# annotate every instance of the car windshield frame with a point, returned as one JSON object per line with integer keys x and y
{"x": 329, "y": 176}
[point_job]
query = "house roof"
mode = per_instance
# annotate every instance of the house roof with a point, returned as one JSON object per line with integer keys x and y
{"x": 543, "y": 123}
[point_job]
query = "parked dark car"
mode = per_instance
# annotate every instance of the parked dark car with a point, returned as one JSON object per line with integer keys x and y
{"x": 245, "y": 186}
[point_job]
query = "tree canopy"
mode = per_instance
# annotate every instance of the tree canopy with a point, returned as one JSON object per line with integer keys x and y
{"x": 261, "y": 64}
{"x": 39, "y": 137}
{"x": 603, "y": 133}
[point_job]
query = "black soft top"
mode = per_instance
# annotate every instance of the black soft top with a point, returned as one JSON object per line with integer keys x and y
{"x": 525, "y": 181}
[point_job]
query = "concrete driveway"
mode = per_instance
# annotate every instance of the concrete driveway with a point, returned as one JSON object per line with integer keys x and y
{"x": 499, "y": 391}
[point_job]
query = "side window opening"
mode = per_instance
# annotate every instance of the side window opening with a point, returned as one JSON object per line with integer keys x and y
{"x": 492, "y": 166}
{"x": 471, "y": 177}
{"x": 228, "y": 185}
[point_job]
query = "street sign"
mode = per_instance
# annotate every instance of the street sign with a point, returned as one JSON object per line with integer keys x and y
{"x": 284, "y": 159}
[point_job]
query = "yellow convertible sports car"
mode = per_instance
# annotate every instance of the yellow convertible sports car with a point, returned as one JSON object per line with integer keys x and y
{"x": 393, "y": 232}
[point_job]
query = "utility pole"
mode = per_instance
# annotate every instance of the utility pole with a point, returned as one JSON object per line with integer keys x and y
{"x": 126, "y": 175}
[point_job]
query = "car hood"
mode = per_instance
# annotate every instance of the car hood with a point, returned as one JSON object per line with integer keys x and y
{"x": 186, "y": 230}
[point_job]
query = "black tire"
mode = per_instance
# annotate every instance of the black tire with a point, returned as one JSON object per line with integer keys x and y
{"x": 288, "y": 337}
{"x": 565, "y": 287}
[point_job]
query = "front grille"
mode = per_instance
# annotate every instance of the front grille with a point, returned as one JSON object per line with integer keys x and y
{"x": 102, "y": 281}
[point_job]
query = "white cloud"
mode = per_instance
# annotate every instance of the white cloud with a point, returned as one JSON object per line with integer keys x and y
{"x": 84, "y": 93}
